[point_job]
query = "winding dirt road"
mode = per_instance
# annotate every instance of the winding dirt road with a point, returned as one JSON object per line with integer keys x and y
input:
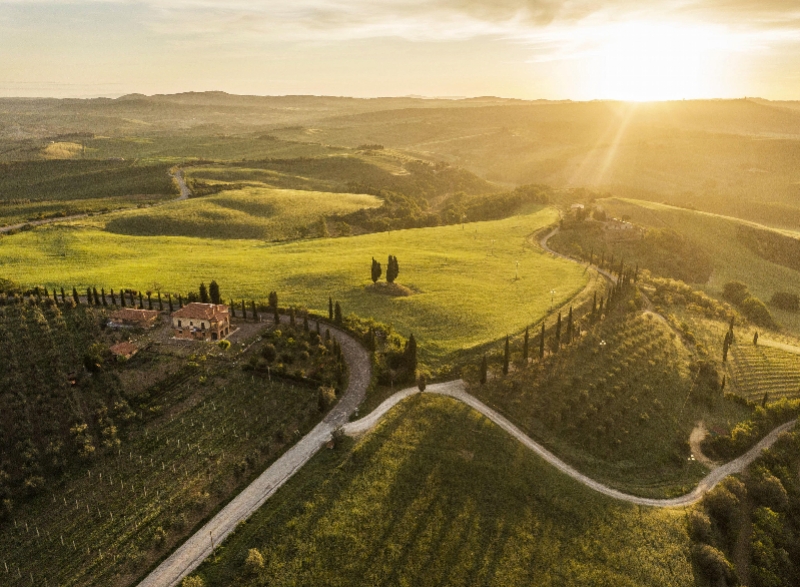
{"x": 198, "y": 547}
{"x": 457, "y": 390}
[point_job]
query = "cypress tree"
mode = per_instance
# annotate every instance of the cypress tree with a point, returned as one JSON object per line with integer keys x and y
{"x": 330, "y": 308}
{"x": 484, "y": 370}
{"x": 103, "y": 297}
{"x": 421, "y": 383}
{"x": 525, "y": 346}
{"x": 765, "y": 399}
{"x": 392, "y": 269}
{"x": 327, "y": 335}
{"x": 722, "y": 387}
{"x": 337, "y": 314}
{"x": 253, "y": 309}
{"x": 122, "y": 298}
{"x": 600, "y": 309}
{"x": 506, "y": 357}
{"x": 141, "y": 301}
{"x": 275, "y": 315}
{"x": 180, "y": 301}
{"x": 113, "y": 299}
{"x": 75, "y": 296}
{"x": 89, "y": 299}
{"x": 755, "y": 339}
{"x": 273, "y": 299}
{"x": 63, "y": 297}
{"x": 541, "y": 343}
{"x": 318, "y": 329}
{"x": 203, "y": 293}
{"x": 594, "y": 305}
{"x": 244, "y": 311}
{"x": 95, "y": 296}
{"x": 570, "y": 331}
{"x": 130, "y": 295}
{"x": 725, "y": 345}
{"x": 160, "y": 303}
{"x": 149, "y": 300}
{"x": 232, "y": 306}
{"x": 557, "y": 344}
{"x": 376, "y": 270}
{"x": 213, "y": 292}
{"x": 169, "y": 303}
{"x": 411, "y": 356}
{"x": 306, "y": 328}
{"x": 46, "y": 293}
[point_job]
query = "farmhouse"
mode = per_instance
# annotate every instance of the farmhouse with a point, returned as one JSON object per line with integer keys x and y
{"x": 201, "y": 322}
{"x": 132, "y": 318}
{"x": 124, "y": 350}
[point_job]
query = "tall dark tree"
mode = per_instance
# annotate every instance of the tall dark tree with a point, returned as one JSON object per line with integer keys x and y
{"x": 89, "y": 298}
{"x": 149, "y": 300}
{"x": 141, "y": 301}
{"x": 95, "y": 296}
{"x": 594, "y": 305}
{"x": 600, "y": 309}
{"x": 213, "y": 292}
{"x": 103, "y": 297}
{"x": 169, "y": 303}
{"x": 273, "y": 299}
{"x": 180, "y": 301}
{"x": 557, "y": 341}
{"x": 63, "y": 297}
{"x": 113, "y": 299}
{"x": 232, "y": 306}
{"x": 410, "y": 356}
{"x": 330, "y": 308}
{"x": 160, "y": 303}
{"x": 75, "y": 296}
{"x": 306, "y": 328}
{"x": 506, "y": 357}
{"x": 541, "y": 343}
{"x": 484, "y": 370}
{"x": 204, "y": 293}
{"x": 276, "y": 317}
{"x": 392, "y": 269}
{"x": 525, "y": 345}
{"x": 244, "y": 311}
{"x": 421, "y": 383}
{"x": 376, "y": 270}
{"x": 122, "y": 298}
{"x": 130, "y": 295}
{"x": 337, "y": 314}
{"x": 725, "y": 346}
{"x": 755, "y": 338}
{"x": 253, "y": 310}
{"x": 570, "y": 327}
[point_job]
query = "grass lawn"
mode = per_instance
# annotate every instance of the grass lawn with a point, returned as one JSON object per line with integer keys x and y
{"x": 464, "y": 277}
{"x": 249, "y": 213}
{"x": 438, "y": 495}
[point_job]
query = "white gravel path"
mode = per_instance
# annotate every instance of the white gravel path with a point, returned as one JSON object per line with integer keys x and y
{"x": 197, "y": 548}
{"x": 457, "y": 390}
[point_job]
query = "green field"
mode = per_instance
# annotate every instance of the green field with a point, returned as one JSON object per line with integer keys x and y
{"x": 717, "y": 235}
{"x": 464, "y": 277}
{"x": 249, "y": 213}
{"x": 31, "y": 190}
{"x": 438, "y": 495}
{"x": 757, "y": 370}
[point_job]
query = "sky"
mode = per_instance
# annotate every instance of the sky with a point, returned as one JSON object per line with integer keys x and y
{"x": 529, "y": 49}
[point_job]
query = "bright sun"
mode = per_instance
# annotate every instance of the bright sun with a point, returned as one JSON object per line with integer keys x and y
{"x": 653, "y": 61}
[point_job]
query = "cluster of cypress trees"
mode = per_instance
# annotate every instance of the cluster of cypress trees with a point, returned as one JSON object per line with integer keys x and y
{"x": 392, "y": 270}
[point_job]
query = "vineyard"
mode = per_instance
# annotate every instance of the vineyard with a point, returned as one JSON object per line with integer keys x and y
{"x": 101, "y": 478}
{"x": 760, "y": 370}
{"x": 618, "y": 403}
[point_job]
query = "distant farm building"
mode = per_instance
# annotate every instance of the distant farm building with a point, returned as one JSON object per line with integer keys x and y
{"x": 197, "y": 321}
{"x": 132, "y": 318}
{"x": 124, "y": 350}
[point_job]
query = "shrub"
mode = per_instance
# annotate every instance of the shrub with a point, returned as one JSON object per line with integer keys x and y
{"x": 224, "y": 344}
{"x": 327, "y": 396}
{"x": 254, "y": 561}
{"x": 767, "y": 490}
{"x": 735, "y": 292}
{"x": 268, "y": 352}
{"x": 712, "y": 564}
{"x": 785, "y": 301}
{"x": 756, "y": 311}
{"x": 698, "y": 524}
{"x": 193, "y": 581}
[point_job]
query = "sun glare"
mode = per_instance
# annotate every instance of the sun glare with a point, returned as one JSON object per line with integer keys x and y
{"x": 654, "y": 61}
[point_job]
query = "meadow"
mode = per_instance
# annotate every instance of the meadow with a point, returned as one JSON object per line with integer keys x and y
{"x": 717, "y": 236}
{"x": 31, "y": 190}
{"x": 471, "y": 283}
{"x": 437, "y": 494}
{"x": 248, "y": 213}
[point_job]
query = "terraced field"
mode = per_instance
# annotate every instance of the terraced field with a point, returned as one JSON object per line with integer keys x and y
{"x": 761, "y": 369}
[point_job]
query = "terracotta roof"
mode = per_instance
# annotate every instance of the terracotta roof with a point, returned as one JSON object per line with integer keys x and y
{"x": 124, "y": 349}
{"x": 198, "y": 311}
{"x": 133, "y": 315}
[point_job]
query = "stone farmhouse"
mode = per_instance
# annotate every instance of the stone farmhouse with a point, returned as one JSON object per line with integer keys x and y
{"x": 198, "y": 321}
